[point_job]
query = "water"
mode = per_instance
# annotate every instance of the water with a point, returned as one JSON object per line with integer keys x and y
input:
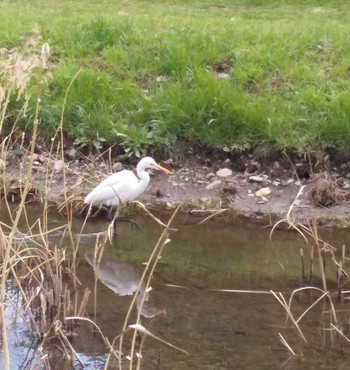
{"x": 219, "y": 330}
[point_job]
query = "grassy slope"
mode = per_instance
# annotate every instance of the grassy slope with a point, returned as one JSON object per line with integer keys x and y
{"x": 147, "y": 70}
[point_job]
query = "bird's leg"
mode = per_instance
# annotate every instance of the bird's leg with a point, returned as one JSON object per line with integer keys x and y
{"x": 117, "y": 218}
{"x": 116, "y": 215}
{"x": 132, "y": 222}
{"x": 109, "y": 215}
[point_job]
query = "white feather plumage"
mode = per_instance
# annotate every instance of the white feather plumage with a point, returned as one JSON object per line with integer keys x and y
{"x": 123, "y": 186}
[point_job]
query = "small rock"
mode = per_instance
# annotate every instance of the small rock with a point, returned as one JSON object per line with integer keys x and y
{"x": 214, "y": 185}
{"x": 36, "y": 157}
{"x": 287, "y": 182}
{"x": 346, "y": 186}
{"x": 117, "y": 167}
{"x": 276, "y": 165}
{"x": 297, "y": 182}
{"x": 58, "y": 165}
{"x": 226, "y": 149}
{"x": 210, "y": 175}
{"x": 255, "y": 178}
{"x": 275, "y": 183}
{"x": 72, "y": 154}
{"x": 263, "y": 192}
{"x": 227, "y": 161}
{"x": 169, "y": 205}
{"x": 224, "y": 172}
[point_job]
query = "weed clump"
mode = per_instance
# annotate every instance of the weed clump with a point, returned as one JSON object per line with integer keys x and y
{"x": 326, "y": 191}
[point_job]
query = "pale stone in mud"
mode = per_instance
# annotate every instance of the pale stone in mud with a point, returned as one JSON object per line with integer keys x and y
{"x": 210, "y": 175}
{"x": 117, "y": 167}
{"x": 72, "y": 154}
{"x": 263, "y": 192}
{"x": 58, "y": 165}
{"x": 287, "y": 182}
{"x": 256, "y": 178}
{"x": 224, "y": 172}
{"x": 214, "y": 185}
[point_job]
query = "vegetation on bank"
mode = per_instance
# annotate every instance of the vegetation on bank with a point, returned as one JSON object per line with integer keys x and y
{"x": 153, "y": 75}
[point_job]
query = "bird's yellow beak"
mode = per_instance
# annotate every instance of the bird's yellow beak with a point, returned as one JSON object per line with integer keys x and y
{"x": 160, "y": 168}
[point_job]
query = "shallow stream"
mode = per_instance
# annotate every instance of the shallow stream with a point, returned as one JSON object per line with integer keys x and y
{"x": 186, "y": 307}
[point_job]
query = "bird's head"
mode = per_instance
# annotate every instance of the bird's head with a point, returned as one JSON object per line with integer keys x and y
{"x": 149, "y": 162}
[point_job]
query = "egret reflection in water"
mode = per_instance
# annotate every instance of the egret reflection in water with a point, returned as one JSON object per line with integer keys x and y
{"x": 121, "y": 277}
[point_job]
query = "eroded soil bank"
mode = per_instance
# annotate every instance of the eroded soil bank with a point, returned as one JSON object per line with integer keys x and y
{"x": 251, "y": 185}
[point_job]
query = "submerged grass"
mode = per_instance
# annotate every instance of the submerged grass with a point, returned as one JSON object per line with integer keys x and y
{"x": 149, "y": 78}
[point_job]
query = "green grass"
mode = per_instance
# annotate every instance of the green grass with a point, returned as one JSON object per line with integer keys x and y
{"x": 147, "y": 79}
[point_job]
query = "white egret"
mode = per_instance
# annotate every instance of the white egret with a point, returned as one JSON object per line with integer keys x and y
{"x": 123, "y": 186}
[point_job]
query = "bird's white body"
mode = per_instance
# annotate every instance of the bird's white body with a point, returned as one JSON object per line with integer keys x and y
{"x": 123, "y": 186}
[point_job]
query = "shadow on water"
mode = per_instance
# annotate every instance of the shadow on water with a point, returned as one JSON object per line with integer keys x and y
{"x": 220, "y": 330}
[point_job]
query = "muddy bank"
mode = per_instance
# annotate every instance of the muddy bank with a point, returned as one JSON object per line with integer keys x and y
{"x": 260, "y": 189}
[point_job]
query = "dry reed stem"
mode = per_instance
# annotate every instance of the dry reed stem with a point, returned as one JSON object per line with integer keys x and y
{"x": 284, "y": 304}
{"x": 285, "y": 343}
{"x": 215, "y": 213}
{"x": 340, "y": 332}
{"x": 6, "y": 259}
{"x": 142, "y": 206}
{"x": 239, "y": 291}
{"x": 98, "y": 253}
{"x": 147, "y": 286}
{"x": 105, "y": 339}
{"x": 65, "y": 342}
{"x": 312, "y": 305}
{"x": 288, "y": 219}
{"x": 141, "y": 329}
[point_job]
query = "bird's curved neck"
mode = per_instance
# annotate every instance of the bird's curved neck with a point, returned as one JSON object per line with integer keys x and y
{"x": 142, "y": 175}
{"x": 143, "y": 181}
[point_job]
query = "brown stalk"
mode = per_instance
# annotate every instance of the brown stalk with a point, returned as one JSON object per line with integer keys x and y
{"x": 284, "y": 304}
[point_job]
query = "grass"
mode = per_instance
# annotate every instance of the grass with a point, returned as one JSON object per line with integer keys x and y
{"x": 148, "y": 80}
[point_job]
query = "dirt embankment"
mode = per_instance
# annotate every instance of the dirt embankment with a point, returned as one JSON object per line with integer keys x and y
{"x": 252, "y": 186}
